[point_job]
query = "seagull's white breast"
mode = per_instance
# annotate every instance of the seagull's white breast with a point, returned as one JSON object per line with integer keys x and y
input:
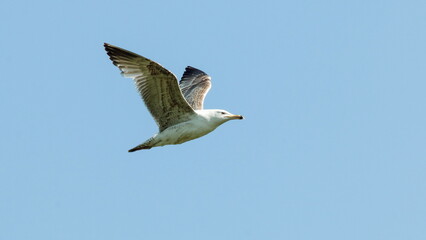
{"x": 196, "y": 127}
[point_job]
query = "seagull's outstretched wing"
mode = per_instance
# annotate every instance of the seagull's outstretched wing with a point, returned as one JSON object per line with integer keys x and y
{"x": 158, "y": 86}
{"x": 194, "y": 85}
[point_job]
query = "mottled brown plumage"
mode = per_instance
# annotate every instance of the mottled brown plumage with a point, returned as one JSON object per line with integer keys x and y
{"x": 158, "y": 86}
{"x": 195, "y": 85}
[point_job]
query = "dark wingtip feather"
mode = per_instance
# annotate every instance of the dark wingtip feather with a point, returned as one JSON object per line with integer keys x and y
{"x": 108, "y": 47}
{"x": 116, "y": 53}
{"x": 110, "y": 51}
{"x": 192, "y": 72}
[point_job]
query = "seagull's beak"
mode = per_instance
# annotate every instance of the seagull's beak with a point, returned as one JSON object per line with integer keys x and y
{"x": 235, "y": 117}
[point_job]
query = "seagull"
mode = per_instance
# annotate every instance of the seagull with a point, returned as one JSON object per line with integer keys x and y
{"x": 176, "y": 108}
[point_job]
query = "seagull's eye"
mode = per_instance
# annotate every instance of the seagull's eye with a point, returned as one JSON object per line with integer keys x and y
{"x": 223, "y": 112}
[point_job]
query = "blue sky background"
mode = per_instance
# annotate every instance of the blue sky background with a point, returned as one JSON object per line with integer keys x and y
{"x": 332, "y": 147}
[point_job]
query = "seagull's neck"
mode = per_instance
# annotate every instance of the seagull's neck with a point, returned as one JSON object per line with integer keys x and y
{"x": 210, "y": 116}
{"x": 205, "y": 113}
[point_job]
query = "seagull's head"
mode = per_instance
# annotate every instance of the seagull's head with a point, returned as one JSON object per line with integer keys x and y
{"x": 218, "y": 116}
{"x": 222, "y": 116}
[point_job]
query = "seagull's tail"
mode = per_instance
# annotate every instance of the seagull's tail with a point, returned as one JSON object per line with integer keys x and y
{"x": 148, "y": 144}
{"x": 140, "y": 147}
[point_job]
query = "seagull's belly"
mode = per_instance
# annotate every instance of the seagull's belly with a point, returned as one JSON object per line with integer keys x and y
{"x": 182, "y": 132}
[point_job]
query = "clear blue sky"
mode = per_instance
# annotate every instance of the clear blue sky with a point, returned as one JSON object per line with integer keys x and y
{"x": 332, "y": 147}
